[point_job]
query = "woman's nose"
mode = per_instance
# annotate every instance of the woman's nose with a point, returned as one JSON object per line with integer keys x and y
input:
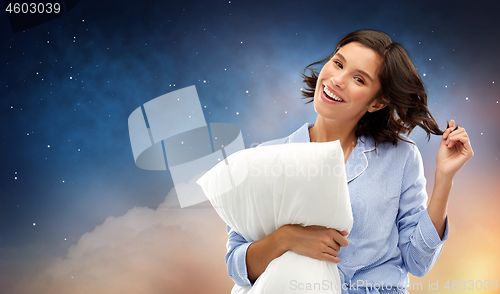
{"x": 337, "y": 82}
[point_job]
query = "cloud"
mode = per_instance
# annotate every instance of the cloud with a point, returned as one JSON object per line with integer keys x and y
{"x": 167, "y": 250}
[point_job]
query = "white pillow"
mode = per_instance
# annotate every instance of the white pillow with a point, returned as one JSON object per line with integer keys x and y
{"x": 258, "y": 190}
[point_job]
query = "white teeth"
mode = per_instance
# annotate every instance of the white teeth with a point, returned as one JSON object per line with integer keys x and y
{"x": 333, "y": 96}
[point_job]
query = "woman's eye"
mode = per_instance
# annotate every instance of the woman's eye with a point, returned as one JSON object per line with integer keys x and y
{"x": 359, "y": 80}
{"x": 338, "y": 64}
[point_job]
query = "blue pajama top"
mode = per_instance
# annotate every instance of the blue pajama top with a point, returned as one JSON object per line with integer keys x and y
{"x": 392, "y": 234}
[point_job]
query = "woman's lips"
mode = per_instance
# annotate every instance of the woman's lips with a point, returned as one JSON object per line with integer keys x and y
{"x": 330, "y": 96}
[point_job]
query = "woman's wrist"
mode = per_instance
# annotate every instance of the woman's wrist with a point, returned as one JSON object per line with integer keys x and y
{"x": 443, "y": 179}
{"x": 438, "y": 205}
{"x": 261, "y": 253}
{"x": 284, "y": 237}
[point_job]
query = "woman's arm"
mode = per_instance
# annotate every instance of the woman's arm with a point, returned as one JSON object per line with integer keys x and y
{"x": 454, "y": 151}
{"x": 423, "y": 231}
{"x": 419, "y": 242}
{"x": 313, "y": 241}
{"x": 235, "y": 258}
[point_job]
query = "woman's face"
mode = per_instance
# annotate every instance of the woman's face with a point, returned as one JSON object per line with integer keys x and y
{"x": 347, "y": 84}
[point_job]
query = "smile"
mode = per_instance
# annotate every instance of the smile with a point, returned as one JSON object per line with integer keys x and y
{"x": 330, "y": 94}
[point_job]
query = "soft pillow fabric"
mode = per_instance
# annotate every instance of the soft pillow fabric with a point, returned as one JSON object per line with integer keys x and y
{"x": 258, "y": 190}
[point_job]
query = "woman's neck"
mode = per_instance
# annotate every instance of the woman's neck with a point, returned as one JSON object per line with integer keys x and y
{"x": 331, "y": 130}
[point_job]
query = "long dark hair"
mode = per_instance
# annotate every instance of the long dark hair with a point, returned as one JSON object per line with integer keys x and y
{"x": 402, "y": 91}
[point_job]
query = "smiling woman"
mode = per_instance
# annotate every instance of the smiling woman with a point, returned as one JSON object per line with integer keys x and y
{"x": 378, "y": 68}
{"x": 367, "y": 96}
{"x": 345, "y": 91}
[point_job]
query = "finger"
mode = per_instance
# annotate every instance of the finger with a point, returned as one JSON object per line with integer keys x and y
{"x": 456, "y": 132}
{"x": 468, "y": 147}
{"x": 454, "y": 142}
{"x": 331, "y": 241}
{"x": 334, "y": 246}
{"x": 341, "y": 240}
{"x": 449, "y": 129}
{"x": 452, "y": 123}
{"x": 329, "y": 257}
{"x": 338, "y": 237}
{"x": 464, "y": 139}
{"x": 333, "y": 252}
{"x": 328, "y": 254}
{"x": 343, "y": 233}
{"x": 454, "y": 135}
{"x": 335, "y": 259}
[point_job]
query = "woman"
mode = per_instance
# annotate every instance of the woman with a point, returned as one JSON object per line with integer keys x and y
{"x": 367, "y": 95}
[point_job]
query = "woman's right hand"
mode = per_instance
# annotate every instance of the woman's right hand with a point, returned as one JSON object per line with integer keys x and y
{"x": 315, "y": 241}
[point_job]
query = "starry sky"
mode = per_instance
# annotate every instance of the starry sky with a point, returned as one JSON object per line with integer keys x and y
{"x": 76, "y": 211}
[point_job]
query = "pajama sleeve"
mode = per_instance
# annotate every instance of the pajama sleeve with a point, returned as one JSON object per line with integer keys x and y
{"x": 419, "y": 241}
{"x": 236, "y": 258}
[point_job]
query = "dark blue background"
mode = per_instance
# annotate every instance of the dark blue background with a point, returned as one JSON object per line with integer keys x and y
{"x": 71, "y": 84}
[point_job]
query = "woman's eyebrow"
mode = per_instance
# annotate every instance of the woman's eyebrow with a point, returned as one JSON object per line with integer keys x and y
{"x": 341, "y": 57}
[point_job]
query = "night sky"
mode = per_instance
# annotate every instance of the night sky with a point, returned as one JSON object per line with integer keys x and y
{"x": 73, "y": 204}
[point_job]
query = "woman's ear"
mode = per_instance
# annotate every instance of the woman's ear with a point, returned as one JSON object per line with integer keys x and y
{"x": 377, "y": 105}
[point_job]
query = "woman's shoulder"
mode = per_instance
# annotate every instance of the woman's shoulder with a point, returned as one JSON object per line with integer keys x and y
{"x": 404, "y": 149}
{"x": 299, "y": 136}
{"x": 403, "y": 143}
{"x": 274, "y": 142}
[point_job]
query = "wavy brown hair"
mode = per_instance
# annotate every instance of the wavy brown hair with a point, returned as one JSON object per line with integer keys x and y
{"x": 402, "y": 91}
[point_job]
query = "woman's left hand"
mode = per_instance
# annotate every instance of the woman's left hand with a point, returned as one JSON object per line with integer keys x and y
{"x": 454, "y": 151}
